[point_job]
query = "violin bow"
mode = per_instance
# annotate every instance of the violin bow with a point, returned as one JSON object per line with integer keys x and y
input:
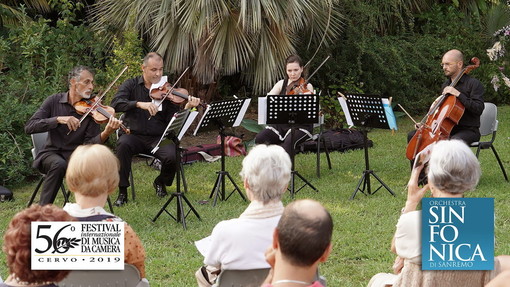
{"x": 327, "y": 58}
{"x": 407, "y": 114}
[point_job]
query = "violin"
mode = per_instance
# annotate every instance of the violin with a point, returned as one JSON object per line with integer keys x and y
{"x": 99, "y": 112}
{"x": 93, "y": 106}
{"x": 298, "y": 87}
{"x": 175, "y": 95}
{"x": 442, "y": 117}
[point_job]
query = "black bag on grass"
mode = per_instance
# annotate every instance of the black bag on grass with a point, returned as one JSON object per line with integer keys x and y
{"x": 343, "y": 139}
{"x": 5, "y": 194}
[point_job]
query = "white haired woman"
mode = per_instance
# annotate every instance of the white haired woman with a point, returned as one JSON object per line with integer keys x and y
{"x": 453, "y": 170}
{"x": 240, "y": 243}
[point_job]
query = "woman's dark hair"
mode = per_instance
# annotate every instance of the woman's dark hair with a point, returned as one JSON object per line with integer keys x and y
{"x": 294, "y": 59}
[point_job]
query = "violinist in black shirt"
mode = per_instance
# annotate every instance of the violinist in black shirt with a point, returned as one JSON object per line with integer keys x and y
{"x": 58, "y": 116}
{"x": 147, "y": 120}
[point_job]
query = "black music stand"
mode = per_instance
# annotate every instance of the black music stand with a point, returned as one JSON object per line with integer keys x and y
{"x": 176, "y": 128}
{"x": 366, "y": 111}
{"x": 293, "y": 110}
{"x": 220, "y": 115}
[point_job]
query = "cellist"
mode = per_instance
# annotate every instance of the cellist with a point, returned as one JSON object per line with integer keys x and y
{"x": 469, "y": 91}
{"x": 294, "y": 83}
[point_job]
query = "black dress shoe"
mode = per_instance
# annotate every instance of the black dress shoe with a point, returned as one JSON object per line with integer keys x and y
{"x": 121, "y": 200}
{"x": 160, "y": 189}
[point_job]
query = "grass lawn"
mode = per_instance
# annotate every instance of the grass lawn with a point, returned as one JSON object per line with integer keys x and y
{"x": 363, "y": 227}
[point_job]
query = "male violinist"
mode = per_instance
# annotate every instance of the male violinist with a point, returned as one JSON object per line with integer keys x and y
{"x": 58, "y": 117}
{"x": 147, "y": 120}
{"x": 469, "y": 91}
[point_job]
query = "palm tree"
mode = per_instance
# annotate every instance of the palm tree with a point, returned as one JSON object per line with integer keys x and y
{"x": 10, "y": 9}
{"x": 225, "y": 37}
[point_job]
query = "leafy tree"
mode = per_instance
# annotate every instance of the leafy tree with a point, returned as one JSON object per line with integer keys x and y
{"x": 10, "y": 12}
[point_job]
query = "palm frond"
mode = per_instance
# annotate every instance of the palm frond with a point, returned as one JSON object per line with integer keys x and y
{"x": 223, "y": 37}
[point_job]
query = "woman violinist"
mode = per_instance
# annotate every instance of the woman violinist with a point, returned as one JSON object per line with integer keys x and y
{"x": 293, "y": 84}
{"x": 468, "y": 91}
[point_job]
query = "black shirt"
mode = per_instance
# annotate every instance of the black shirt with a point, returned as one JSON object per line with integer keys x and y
{"x": 132, "y": 91}
{"x": 59, "y": 141}
{"x": 471, "y": 96}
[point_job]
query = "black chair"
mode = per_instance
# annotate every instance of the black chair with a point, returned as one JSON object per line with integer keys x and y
{"x": 38, "y": 141}
{"x": 489, "y": 126}
{"x": 320, "y": 145}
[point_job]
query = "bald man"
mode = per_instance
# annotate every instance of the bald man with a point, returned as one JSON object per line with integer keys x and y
{"x": 301, "y": 240}
{"x": 469, "y": 91}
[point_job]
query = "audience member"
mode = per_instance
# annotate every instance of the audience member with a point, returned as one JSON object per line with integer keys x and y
{"x": 453, "y": 170}
{"x": 17, "y": 248}
{"x": 239, "y": 244}
{"x": 93, "y": 174}
{"x": 301, "y": 241}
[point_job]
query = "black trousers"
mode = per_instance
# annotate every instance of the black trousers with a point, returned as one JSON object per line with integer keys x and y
{"x": 129, "y": 145}
{"x": 268, "y": 136}
{"x": 54, "y": 166}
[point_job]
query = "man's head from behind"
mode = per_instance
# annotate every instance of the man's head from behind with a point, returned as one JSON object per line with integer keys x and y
{"x": 304, "y": 233}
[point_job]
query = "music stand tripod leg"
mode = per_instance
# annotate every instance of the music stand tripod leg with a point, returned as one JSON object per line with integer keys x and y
{"x": 236, "y": 188}
{"x": 164, "y": 208}
{"x": 383, "y": 184}
{"x": 181, "y": 215}
{"x": 216, "y": 191}
{"x": 294, "y": 173}
{"x": 363, "y": 180}
{"x": 191, "y": 207}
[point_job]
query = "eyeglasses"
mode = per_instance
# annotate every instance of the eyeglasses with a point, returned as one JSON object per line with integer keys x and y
{"x": 448, "y": 64}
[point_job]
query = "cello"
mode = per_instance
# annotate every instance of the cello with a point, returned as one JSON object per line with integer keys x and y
{"x": 444, "y": 114}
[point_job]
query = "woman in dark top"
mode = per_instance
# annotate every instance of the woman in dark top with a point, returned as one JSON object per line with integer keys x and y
{"x": 293, "y": 84}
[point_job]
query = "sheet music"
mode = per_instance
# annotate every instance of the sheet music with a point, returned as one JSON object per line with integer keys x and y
{"x": 155, "y": 86}
{"x": 228, "y": 113}
{"x": 191, "y": 118}
{"x": 262, "y": 110}
{"x": 392, "y": 122}
{"x": 202, "y": 119}
{"x": 343, "y": 104}
{"x": 241, "y": 114}
{"x": 191, "y": 115}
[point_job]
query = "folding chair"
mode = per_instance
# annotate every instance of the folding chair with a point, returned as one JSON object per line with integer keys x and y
{"x": 39, "y": 141}
{"x": 238, "y": 278}
{"x": 317, "y": 137}
{"x": 129, "y": 277}
{"x": 488, "y": 126}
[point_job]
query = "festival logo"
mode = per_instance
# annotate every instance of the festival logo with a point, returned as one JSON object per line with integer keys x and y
{"x": 458, "y": 234}
{"x": 77, "y": 245}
